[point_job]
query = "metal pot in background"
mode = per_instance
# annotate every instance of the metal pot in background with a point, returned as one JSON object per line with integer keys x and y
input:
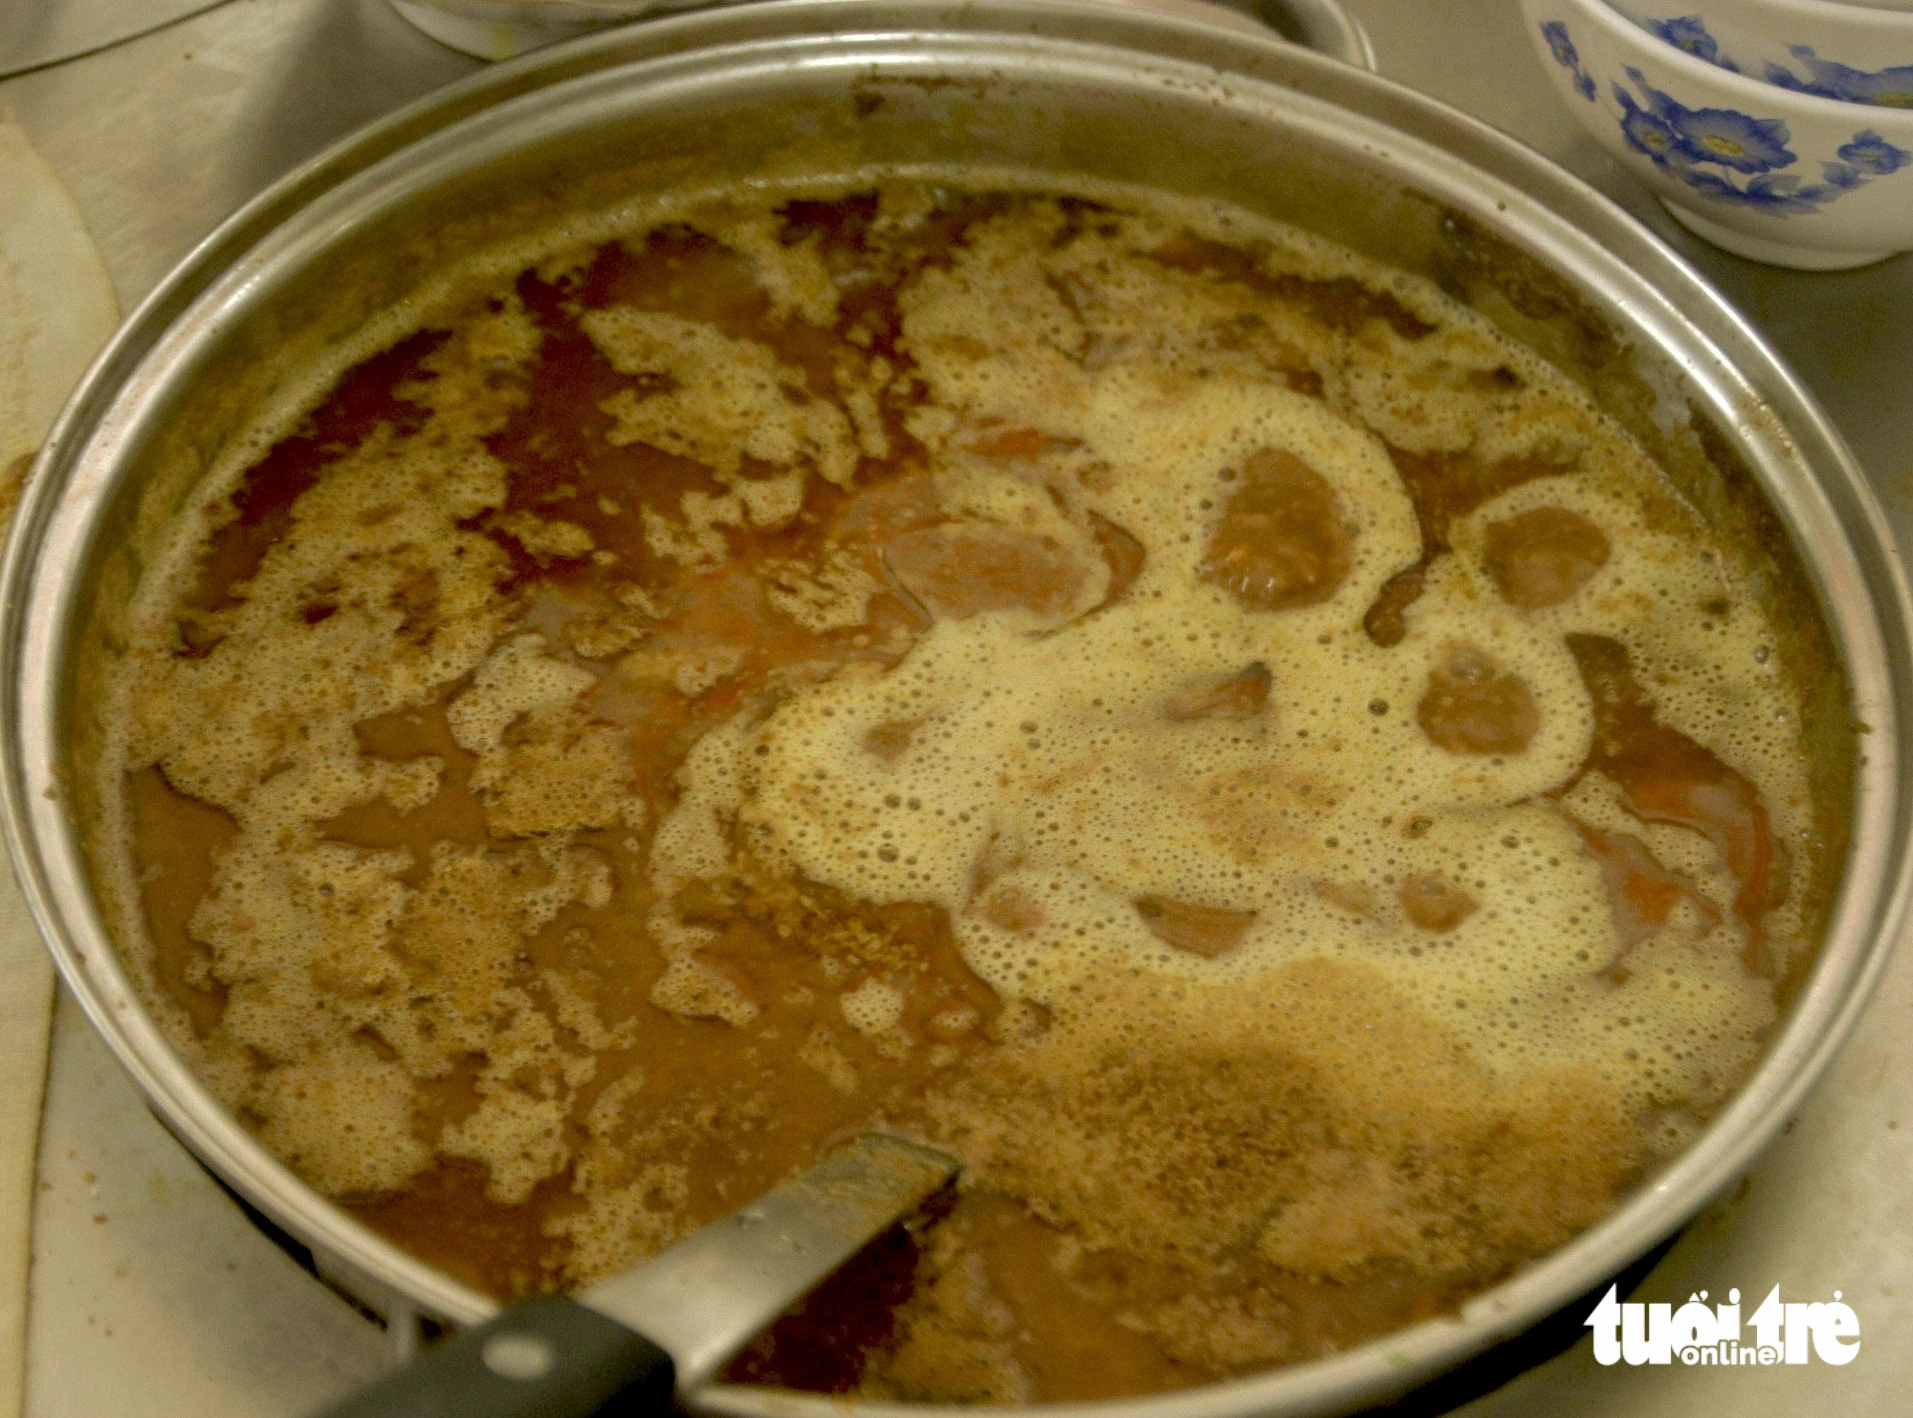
{"x": 1042, "y": 85}
{"x": 500, "y": 29}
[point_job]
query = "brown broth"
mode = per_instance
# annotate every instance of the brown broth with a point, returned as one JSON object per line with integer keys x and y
{"x": 737, "y": 1108}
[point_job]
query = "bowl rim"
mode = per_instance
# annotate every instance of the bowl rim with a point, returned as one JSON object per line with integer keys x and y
{"x": 1759, "y": 91}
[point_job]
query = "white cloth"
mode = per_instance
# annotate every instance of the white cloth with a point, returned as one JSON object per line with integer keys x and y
{"x": 56, "y": 308}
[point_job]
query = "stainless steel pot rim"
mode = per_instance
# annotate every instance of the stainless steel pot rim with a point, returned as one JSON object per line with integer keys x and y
{"x": 1550, "y": 213}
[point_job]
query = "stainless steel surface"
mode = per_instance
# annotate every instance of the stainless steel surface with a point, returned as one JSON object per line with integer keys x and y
{"x": 34, "y": 33}
{"x": 1857, "y": 360}
{"x": 1848, "y": 336}
{"x": 163, "y": 137}
{"x": 703, "y": 1299}
{"x": 1326, "y": 26}
{"x": 502, "y": 29}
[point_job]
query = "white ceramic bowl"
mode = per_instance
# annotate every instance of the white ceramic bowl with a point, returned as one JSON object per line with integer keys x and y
{"x": 1766, "y": 172}
{"x": 1854, "y": 53}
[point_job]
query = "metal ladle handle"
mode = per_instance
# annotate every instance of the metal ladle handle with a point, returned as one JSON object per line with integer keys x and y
{"x": 672, "y": 1321}
{"x": 552, "y": 1357}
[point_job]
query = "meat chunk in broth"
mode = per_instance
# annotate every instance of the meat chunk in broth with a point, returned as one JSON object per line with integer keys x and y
{"x": 1472, "y": 706}
{"x": 1208, "y": 931}
{"x": 1282, "y": 539}
{"x": 1542, "y": 557}
{"x": 963, "y": 569}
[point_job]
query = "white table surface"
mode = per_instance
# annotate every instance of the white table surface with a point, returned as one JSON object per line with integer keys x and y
{"x": 153, "y": 1295}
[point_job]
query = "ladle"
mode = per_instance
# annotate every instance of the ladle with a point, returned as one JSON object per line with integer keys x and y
{"x": 669, "y": 1323}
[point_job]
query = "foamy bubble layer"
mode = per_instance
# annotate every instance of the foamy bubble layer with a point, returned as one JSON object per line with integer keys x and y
{"x": 1045, "y": 789}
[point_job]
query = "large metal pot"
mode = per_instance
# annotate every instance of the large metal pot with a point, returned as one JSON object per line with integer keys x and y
{"x": 1037, "y": 84}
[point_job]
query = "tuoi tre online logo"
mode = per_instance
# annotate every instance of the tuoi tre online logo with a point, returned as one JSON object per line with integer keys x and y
{"x": 1697, "y": 1334}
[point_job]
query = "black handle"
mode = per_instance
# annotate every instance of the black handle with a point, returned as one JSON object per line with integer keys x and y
{"x": 547, "y": 1358}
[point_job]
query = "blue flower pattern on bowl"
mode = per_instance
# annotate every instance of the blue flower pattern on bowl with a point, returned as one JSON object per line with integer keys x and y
{"x": 1710, "y": 150}
{"x": 1568, "y": 57}
{"x": 1689, "y": 35}
{"x": 1885, "y": 88}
